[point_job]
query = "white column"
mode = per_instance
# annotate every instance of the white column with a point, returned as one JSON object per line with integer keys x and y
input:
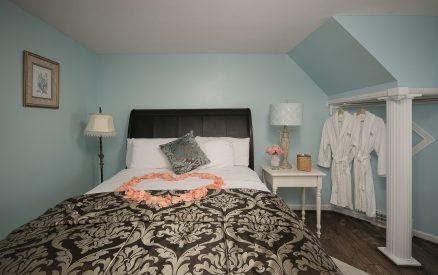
{"x": 399, "y": 178}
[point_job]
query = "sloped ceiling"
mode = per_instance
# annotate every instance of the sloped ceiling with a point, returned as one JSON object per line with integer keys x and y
{"x": 407, "y": 46}
{"x": 337, "y": 62}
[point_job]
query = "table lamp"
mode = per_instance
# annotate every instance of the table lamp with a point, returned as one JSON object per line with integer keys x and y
{"x": 286, "y": 114}
{"x": 100, "y": 125}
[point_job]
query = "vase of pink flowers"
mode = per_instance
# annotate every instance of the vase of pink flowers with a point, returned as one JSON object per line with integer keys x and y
{"x": 275, "y": 152}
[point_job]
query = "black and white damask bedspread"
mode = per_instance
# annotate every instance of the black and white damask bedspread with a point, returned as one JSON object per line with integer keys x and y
{"x": 232, "y": 231}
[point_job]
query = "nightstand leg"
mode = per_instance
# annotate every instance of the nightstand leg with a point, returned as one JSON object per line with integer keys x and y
{"x": 274, "y": 189}
{"x": 303, "y": 202}
{"x": 318, "y": 207}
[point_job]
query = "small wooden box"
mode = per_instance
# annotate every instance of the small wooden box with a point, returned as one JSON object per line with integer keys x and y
{"x": 304, "y": 162}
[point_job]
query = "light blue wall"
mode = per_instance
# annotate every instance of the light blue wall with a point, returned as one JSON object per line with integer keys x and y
{"x": 43, "y": 155}
{"x": 367, "y": 90}
{"x": 407, "y": 46}
{"x": 212, "y": 81}
{"x": 337, "y": 62}
{"x": 425, "y": 172}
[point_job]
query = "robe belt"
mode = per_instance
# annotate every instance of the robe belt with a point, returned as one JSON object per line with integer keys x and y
{"x": 362, "y": 158}
{"x": 362, "y": 169}
{"x": 342, "y": 164}
{"x": 339, "y": 160}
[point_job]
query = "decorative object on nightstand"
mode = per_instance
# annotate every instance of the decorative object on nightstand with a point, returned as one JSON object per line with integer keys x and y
{"x": 275, "y": 152}
{"x": 304, "y": 162}
{"x": 286, "y": 114}
{"x": 295, "y": 178}
{"x": 100, "y": 125}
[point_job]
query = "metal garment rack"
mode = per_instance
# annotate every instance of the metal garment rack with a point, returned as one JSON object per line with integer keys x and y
{"x": 427, "y": 99}
{"x": 398, "y": 102}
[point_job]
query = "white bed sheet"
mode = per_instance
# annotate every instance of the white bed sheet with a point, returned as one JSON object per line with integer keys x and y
{"x": 233, "y": 176}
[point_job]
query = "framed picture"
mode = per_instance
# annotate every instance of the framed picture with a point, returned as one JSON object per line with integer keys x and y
{"x": 40, "y": 81}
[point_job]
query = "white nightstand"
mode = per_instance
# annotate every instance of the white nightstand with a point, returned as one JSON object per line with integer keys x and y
{"x": 294, "y": 178}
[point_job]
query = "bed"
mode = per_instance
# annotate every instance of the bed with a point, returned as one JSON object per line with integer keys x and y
{"x": 240, "y": 229}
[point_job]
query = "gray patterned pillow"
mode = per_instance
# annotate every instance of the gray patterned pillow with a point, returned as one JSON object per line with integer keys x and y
{"x": 184, "y": 154}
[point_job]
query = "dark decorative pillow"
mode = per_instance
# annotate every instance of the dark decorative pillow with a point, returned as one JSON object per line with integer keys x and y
{"x": 184, "y": 154}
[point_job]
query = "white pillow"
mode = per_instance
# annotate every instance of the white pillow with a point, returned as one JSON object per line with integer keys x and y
{"x": 146, "y": 153}
{"x": 129, "y": 148}
{"x": 219, "y": 152}
{"x": 241, "y": 151}
{"x": 240, "y": 148}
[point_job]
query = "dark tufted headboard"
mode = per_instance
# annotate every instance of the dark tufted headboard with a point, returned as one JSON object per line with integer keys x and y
{"x": 169, "y": 123}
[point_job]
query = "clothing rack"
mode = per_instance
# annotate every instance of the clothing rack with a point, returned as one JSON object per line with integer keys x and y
{"x": 420, "y": 96}
{"x": 377, "y": 103}
{"x": 398, "y": 102}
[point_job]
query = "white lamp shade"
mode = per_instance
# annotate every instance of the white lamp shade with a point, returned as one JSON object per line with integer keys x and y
{"x": 100, "y": 125}
{"x": 286, "y": 114}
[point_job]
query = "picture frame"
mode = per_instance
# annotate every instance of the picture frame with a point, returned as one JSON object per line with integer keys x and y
{"x": 40, "y": 81}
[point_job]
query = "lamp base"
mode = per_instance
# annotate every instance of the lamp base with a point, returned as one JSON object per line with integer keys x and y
{"x": 284, "y": 142}
{"x": 286, "y": 165}
{"x": 101, "y": 156}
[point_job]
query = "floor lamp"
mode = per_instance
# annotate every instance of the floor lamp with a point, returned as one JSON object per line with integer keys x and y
{"x": 100, "y": 125}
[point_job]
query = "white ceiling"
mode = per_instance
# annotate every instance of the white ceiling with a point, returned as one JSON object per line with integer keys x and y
{"x": 204, "y": 26}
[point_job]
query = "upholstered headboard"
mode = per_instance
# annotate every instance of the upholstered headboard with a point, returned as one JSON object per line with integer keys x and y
{"x": 169, "y": 123}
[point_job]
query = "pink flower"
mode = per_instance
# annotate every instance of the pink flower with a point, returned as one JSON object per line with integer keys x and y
{"x": 274, "y": 150}
{"x": 163, "y": 201}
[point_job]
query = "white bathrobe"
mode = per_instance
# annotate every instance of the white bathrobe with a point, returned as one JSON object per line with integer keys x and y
{"x": 336, "y": 143}
{"x": 369, "y": 135}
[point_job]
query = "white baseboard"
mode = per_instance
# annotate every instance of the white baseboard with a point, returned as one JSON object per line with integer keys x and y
{"x": 357, "y": 215}
{"x": 361, "y": 216}
{"x": 426, "y": 236}
{"x": 324, "y": 207}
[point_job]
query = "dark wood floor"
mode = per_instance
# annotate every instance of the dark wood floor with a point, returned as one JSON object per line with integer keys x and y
{"x": 355, "y": 242}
